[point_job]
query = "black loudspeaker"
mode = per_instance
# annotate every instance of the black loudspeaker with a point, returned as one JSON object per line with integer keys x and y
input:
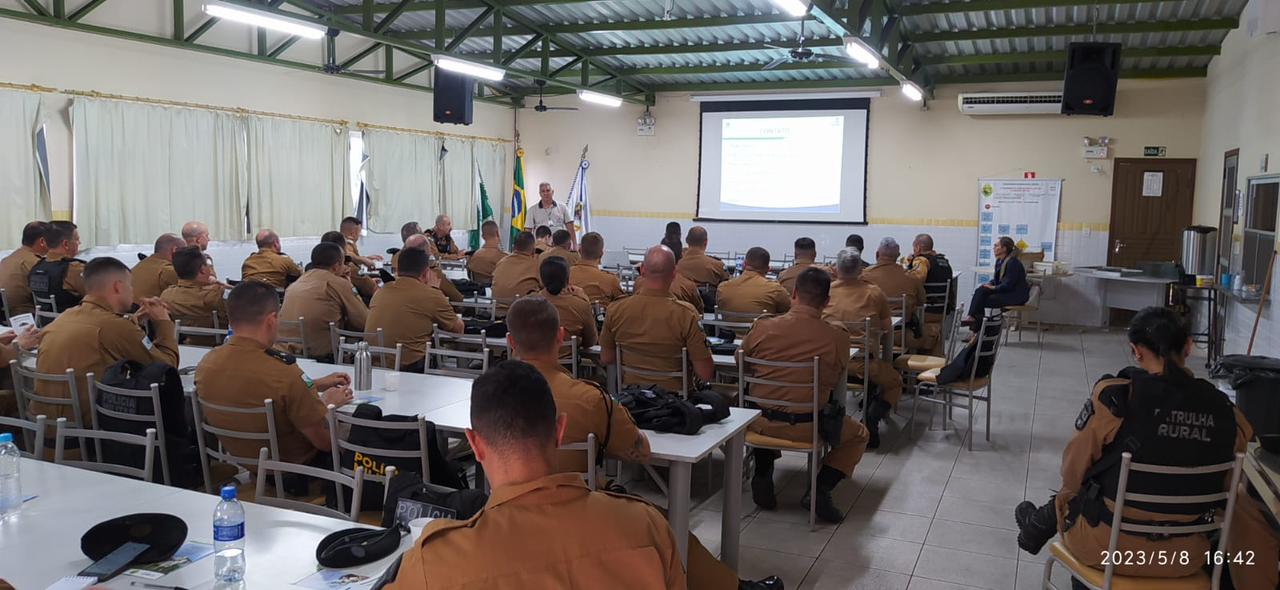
{"x": 454, "y": 94}
{"x": 1089, "y": 87}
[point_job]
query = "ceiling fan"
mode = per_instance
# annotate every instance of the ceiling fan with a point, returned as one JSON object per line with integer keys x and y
{"x": 800, "y": 54}
{"x": 542, "y": 107}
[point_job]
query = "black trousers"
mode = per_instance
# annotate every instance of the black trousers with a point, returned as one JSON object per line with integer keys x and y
{"x": 985, "y": 298}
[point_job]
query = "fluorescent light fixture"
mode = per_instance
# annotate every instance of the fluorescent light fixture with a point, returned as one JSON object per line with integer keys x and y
{"x": 912, "y": 91}
{"x": 467, "y": 68}
{"x": 784, "y": 96}
{"x": 598, "y": 98}
{"x": 857, "y": 50}
{"x": 264, "y": 20}
{"x": 792, "y": 7}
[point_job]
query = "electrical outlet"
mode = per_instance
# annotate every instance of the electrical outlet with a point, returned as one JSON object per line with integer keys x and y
{"x": 1096, "y": 152}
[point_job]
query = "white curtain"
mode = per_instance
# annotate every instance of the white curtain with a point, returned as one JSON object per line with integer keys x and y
{"x": 402, "y": 178}
{"x": 458, "y": 186}
{"x": 23, "y": 193}
{"x": 493, "y": 165}
{"x": 298, "y": 175}
{"x": 143, "y": 170}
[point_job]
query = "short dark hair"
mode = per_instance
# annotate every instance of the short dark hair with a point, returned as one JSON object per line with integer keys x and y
{"x": 757, "y": 257}
{"x": 854, "y": 241}
{"x": 1009, "y": 246}
{"x": 409, "y": 229}
{"x": 1160, "y": 330}
{"x": 554, "y": 272}
{"x": 592, "y": 246}
{"x": 412, "y": 262}
{"x": 98, "y": 269}
{"x": 697, "y": 236}
{"x": 58, "y": 232}
{"x": 349, "y": 221}
{"x": 561, "y": 237}
{"x": 533, "y": 322}
{"x": 813, "y": 287}
{"x": 806, "y": 245}
{"x": 187, "y": 262}
{"x": 334, "y": 237}
{"x": 32, "y": 232}
{"x": 250, "y": 301}
{"x": 673, "y": 229}
{"x": 326, "y": 255}
{"x": 523, "y": 242}
{"x": 542, "y": 231}
{"x": 489, "y": 228}
{"x": 512, "y": 407}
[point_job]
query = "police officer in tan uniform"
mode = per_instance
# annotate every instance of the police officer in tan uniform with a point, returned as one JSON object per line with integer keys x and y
{"x": 153, "y": 274}
{"x": 517, "y": 274}
{"x": 540, "y": 528}
{"x": 407, "y": 309}
{"x": 197, "y": 298}
{"x": 196, "y": 233}
{"x": 64, "y": 243}
{"x": 601, "y": 286}
{"x": 853, "y": 300}
{"x": 442, "y": 244}
{"x": 576, "y": 317}
{"x": 96, "y": 334}
{"x": 351, "y": 228}
{"x": 652, "y": 327}
{"x": 696, "y": 265}
{"x": 684, "y": 289}
{"x": 931, "y": 268}
{"x": 798, "y": 336}
{"x": 541, "y": 239}
{"x": 481, "y": 263}
{"x": 364, "y": 285}
{"x": 895, "y": 281}
{"x": 269, "y": 264}
{"x": 16, "y": 266}
{"x": 322, "y": 296}
{"x": 422, "y": 242}
{"x": 534, "y": 336}
{"x": 806, "y": 253}
{"x": 11, "y": 344}
{"x": 245, "y": 370}
{"x": 560, "y": 247}
{"x": 1162, "y": 415}
{"x": 750, "y": 292}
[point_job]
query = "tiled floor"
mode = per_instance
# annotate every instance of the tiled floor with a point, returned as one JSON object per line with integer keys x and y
{"x": 922, "y": 512}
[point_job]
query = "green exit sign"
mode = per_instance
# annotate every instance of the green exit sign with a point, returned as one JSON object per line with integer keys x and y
{"x": 1153, "y": 151}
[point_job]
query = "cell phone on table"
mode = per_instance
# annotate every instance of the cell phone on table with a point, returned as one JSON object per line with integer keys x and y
{"x": 110, "y": 566}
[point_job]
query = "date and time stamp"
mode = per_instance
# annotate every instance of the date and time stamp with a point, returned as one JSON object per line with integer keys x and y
{"x": 1163, "y": 557}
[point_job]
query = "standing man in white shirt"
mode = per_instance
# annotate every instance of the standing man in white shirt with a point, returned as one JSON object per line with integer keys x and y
{"x": 551, "y": 214}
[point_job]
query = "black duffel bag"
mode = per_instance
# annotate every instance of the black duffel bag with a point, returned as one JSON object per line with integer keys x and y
{"x": 655, "y": 408}
{"x": 467, "y": 287}
{"x": 443, "y": 471}
{"x": 491, "y": 329}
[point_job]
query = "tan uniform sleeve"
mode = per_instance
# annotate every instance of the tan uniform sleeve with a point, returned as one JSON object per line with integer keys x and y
{"x": 1244, "y": 431}
{"x": 439, "y": 311}
{"x": 1085, "y": 447}
{"x": 781, "y": 299}
{"x": 302, "y": 405}
{"x": 168, "y": 277}
{"x": 124, "y": 339}
{"x": 448, "y": 288}
{"x": 919, "y": 268}
{"x": 839, "y": 359}
{"x": 353, "y": 308}
{"x": 74, "y": 281}
{"x": 666, "y": 546}
{"x": 590, "y": 335}
{"x": 695, "y": 340}
{"x": 606, "y": 332}
{"x": 411, "y": 575}
{"x": 291, "y": 269}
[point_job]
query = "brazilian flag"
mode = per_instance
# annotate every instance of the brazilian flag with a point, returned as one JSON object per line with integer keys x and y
{"x": 517, "y": 197}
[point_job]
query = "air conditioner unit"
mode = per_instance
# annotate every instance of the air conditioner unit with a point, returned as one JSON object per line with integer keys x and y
{"x": 1010, "y": 103}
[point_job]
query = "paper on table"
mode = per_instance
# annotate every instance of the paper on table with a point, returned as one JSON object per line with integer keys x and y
{"x": 335, "y": 580}
{"x": 189, "y": 553}
{"x": 72, "y": 583}
{"x": 366, "y": 399}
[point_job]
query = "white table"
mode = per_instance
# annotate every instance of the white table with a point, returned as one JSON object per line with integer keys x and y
{"x": 681, "y": 452}
{"x": 41, "y": 544}
{"x": 1133, "y": 293}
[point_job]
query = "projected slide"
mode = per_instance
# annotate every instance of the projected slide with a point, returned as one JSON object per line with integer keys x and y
{"x": 764, "y": 159}
{"x": 784, "y": 160}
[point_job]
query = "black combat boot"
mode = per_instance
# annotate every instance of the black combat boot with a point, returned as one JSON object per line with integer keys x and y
{"x": 762, "y": 482}
{"x": 769, "y": 583}
{"x": 826, "y": 507}
{"x": 1036, "y": 525}
{"x": 877, "y": 409}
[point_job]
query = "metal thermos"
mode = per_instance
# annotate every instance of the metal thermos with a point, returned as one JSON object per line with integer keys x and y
{"x": 1199, "y": 248}
{"x": 364, "y": 367}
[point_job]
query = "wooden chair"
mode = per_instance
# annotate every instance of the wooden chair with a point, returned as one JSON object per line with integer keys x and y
{"x": 155, "y": 418}
{"x": 203, "y": 428}
{"x": 31, "y": 435}
{"x": 147, "y": 442}
{"x": 277, "y": 469}
{"x": 974, "y": 389}
{"x": 1106, "y": 579}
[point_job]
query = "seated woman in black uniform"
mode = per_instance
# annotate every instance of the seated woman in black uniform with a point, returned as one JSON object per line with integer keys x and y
{"x": 1008, "y": 285}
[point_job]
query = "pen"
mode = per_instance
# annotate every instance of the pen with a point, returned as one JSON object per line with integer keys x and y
{"x": 156, "y": 586}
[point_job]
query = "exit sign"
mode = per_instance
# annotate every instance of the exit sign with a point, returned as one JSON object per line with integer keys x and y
{"x": 1154, "y": 151}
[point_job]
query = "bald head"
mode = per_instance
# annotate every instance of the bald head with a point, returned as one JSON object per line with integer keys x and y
{"x": 166, "y": 244}
{"x": 922, "y": 243}
{"x": 659, "y": 267}
{"x": 416, "y": 241}
{"x": 267, "y": 240}
{"x": 196, "y": 234}
{"x": 697, "y": 237}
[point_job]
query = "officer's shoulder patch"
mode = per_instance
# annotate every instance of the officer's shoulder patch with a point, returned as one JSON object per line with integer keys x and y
{"x": 281, "y": 356}
{"x": 1085, "y": 414}
{"x": 1116, "y": 398}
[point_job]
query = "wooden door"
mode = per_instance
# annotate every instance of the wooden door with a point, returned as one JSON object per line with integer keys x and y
{"x": 1227, "y": 221}
{"x": 1151, "y": 203}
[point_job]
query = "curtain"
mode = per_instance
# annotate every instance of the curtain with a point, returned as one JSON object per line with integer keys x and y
{"x": 23, "y": 193}
{"x": 298, "y": 175}
{"x": 402, "y": 178}
{"x": 458, "y": 186}
{"x": 493, "y": 164}
{"x": 143, "y": 170}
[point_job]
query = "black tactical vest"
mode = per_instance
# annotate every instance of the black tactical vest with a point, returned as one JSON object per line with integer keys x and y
{"x": 939, "y": 272}
{"x": 1175, "y": 420}
{"x": 46, "y": 280}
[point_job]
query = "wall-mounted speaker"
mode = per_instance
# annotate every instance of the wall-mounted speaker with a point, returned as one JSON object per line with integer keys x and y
{"x": 454, "y": 95}
{"x": 1089, "y": 88}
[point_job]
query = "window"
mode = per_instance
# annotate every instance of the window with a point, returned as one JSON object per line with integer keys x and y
{"x": 1260, "y": 228}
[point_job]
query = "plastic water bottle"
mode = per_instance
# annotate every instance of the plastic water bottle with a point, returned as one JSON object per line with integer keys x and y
{"x": 228, "y": 540}
{"x": 10, "y": 484}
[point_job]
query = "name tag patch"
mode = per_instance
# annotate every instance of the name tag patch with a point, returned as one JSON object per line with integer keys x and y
{"x": 1085, "y": 414}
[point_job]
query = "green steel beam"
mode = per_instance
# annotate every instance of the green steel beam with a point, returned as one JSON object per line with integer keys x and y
{"x": 787, "y": 85}
{"x": 1057, "y": 75}
{"x": 528, "y": 46}
{"x": 179, "y": 20}
{"x": 388, "y": 63}
{"x": 467, "y": 30}
{"x": 414, "y": 71}
{"x": 84, "y": 10}
{"x": 985, "y": 5}
{"x": 59, "y": 8}
{"x": 391, "y": 17}
{"x": 595, "y": 52}
{"x": 441, "y": 30}
{"x": 261, "y": 44}
{"x": 363, "y": 53}
{"x": 676, "y": 23}
{"x": 70, "y": 25}
{"x": 419, "y": 6}
{"x": 283, "y": 46}
{"x": 566, "y": 67}
{"x": 1175, "y": 26}
{"x": 826, "y": 13}
{"x": 740, "y": 68}
{"x": 36, "y": 7}
{"x": 1000, "y": 58}
{"x": 202, "y": 29}
{"x": 497, "y": 35}
{"x": 366, "y": 15}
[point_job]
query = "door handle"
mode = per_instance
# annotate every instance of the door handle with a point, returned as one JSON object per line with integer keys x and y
{"x": 1118, "y": 246}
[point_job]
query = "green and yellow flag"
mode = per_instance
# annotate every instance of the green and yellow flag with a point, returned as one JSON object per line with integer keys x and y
{"x": 484, "y": 213}
{"x": 517, "y": 197}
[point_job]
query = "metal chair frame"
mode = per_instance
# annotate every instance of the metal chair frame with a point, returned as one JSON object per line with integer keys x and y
{"x": 435, "y": 354}
{"x": 42, "y": 304}
{"x": 32, "y": 434}
{"x": 25, "y": 396}
{"x": 203, "y": 427}
{"x": 300, "y": 340}
{"x": 345, "y": 348}
{"x": 268, "y": 466}
{"x": 995, "y": 321}
{"x": 592, "y": 474}
{"x": 156, "y": 418}
{"x": 338, "y": 444}
{"x": 623, "y": 370}
{"x": 1032, "y": 306}
{"x": 148, "y": 442}
{"x": 336, "y": 334}
{"x": 218, "y": 333}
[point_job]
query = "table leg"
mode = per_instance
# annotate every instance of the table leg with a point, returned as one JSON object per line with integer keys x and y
{"x": 731, "y": 523}
{"x": 678, "y": 505}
